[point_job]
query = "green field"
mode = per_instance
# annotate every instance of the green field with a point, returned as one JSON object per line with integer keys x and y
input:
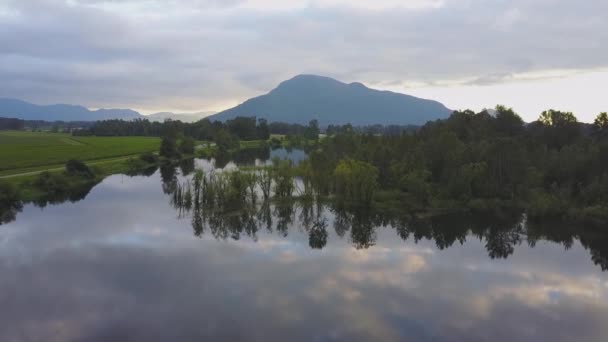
{"x": 22, "y": 151}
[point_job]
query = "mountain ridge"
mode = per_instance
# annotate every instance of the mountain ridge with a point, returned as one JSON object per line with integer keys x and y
{"x": 19, "y": 109}
{"x": 297, "y": 100}
{"x": 306, "y": 97}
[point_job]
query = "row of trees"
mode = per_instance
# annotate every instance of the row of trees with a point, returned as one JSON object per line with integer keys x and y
{"x": 242, "y": 128}
{"x": 554, "y": 167}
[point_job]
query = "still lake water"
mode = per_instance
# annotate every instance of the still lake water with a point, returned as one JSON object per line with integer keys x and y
{"x": 124, "y": 265}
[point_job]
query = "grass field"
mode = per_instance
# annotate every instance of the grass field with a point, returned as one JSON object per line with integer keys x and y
{"x": 34, "y": 151}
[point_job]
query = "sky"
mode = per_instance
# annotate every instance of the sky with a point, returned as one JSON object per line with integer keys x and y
{"x": 202, "y": 55}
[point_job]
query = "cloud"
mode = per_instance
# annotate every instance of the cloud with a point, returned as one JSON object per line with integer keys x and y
{"x": 208, "y": 54}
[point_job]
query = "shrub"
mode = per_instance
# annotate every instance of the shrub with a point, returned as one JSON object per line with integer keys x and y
{"x": 149, "y": 158}
{"x": 51, "y": 183}
{"x": 78, "y": 168}
{"x": 8, "y": 194}
{"x": 186, "y": 145}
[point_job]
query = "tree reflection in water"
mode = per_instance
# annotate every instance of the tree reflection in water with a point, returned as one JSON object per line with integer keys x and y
{"x": 227, "y": 219}
{"x": 231, "y": 207}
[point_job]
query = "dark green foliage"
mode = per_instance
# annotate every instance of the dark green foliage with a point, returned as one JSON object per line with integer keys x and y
{"x": 283, "y": 178}
{"x": 477, "y": 161}
{"x": 356, "y": 181}
{"x": 11, "y": 124}
{"x": 263, "y": 131}
{"x": 52, "y": 183}
{"x": 225, "y": 141}
{"x": 275, "y": 143}
{"x": 8, "y": 194}
{"x": 149, "y": 158}
{"x": 168, "y": 147}
{"x": 312, "y": 131}
{"x": 10, "y": 204}
{"x": 78, "y": 168}
{"x": 186, "y": 145}
{"x": 243, "y": 127}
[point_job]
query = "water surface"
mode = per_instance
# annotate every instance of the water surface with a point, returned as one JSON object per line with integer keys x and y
{"x": 124, "y": 264}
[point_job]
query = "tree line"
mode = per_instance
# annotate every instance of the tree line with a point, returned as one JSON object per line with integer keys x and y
{"x": 555, "y": 167}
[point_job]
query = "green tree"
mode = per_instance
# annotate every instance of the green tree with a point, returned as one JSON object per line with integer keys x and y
{"x": 10, "y": 204}
{"x": 601, "y": 122}
{"x": 557, "y": 118}
{"x": 507, "y": 121}
{"x": 263, "y": 130}
{"x": 78, "y": 168}
{"x": 356, "y": 180}
{"x": 225, "y": 141}
{"x": 416, "y": 184}
{"x": 312, "y": 131}
{"x": 168, "y": 147}
{"x": 186, "y": 145}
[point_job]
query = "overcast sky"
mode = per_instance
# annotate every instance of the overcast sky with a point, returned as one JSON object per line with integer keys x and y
{"x": 198, "y": 55}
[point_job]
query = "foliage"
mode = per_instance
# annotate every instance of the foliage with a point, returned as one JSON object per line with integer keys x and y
{"x": 8, "y": 193}
{"x": 356, "y": 180}
{"x": 601, "y": 122}
{"x": 168, "y": 147}
{"x": 77, "y": 168}
{"x": 149, "y": 158}
{"x": 312, "y": 131}
{"x": 556, "y": 118}
{"x": 186, "y": 145}
{"x": 10, "y": 203}
{"x": 51, "y": 183}
{"x": 283, "y": 178}
{"x": 225, "y": 141}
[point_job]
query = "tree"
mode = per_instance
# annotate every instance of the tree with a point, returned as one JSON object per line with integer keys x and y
{"x": 507, "y": 121}
{"x": 168, "y": 147}
{"x": 10, "y": 204}
{"x": 263, "y": 130}
{"x": 416, "y": 184}
{"x": 356, "y": 180}
{"x": 186, "y": 145}
{"x": 243, "y": 127}
{"x": 225, "y": 141}
{"x": 601, "y": 122}
{"x": 312, "y": 131}
{"x": 78, "y": 168}
{"x": 557, "y": 118}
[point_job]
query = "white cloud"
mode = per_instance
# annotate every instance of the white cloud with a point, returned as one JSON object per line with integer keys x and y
{"x": 207, "y": 54}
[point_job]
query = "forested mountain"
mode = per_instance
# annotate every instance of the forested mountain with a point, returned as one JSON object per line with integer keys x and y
{"x": 309, "y": 97}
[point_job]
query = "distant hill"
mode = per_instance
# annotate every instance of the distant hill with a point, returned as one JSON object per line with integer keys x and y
{"x": 186, "y": 117}
{"x": 13, "y": 108}
{"x": 307, "y": 97}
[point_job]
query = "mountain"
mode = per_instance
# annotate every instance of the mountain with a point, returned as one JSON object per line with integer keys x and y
{"x": 307, "y": 97}
{"x": 185, "y": 117}
{"x": 12, "y": 108}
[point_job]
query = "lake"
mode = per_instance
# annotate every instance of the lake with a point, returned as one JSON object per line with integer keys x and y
{"x": 126, "y": 264}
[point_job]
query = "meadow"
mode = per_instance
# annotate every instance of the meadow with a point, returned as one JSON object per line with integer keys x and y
{"x": 22, "y": 151}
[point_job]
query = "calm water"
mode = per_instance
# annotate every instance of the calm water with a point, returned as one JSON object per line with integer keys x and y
{"x": 125, "y": 265}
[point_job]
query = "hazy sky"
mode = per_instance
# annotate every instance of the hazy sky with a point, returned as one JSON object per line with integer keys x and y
{"x": 191, "y": 55}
